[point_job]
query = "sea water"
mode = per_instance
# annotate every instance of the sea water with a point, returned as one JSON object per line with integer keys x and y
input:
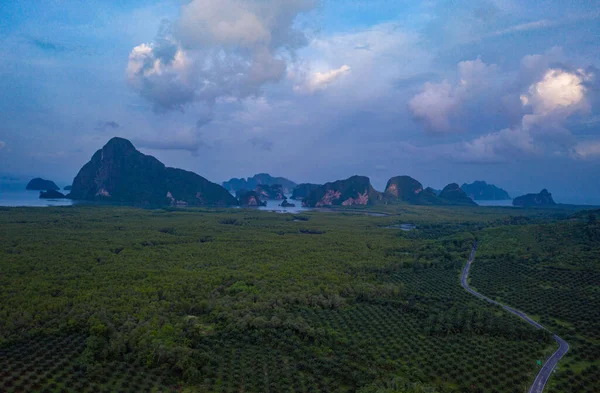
{"x": 15, "y": 198}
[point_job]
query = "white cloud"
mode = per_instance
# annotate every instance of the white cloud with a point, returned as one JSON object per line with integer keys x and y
{"x": 167, "y": 82}
{"x": 552, "y": 99}
{"x": 217, "y": 48}
{"x": 435, "y": 105}
{"x": 497, "y": 146}
{"x": 559, "y": 93}
{"x": 536, "y": 25}
{"x": 586, "y": 150}
{"x": 439, "y": 103}
{"x": 2, "y": 145}
{"x": 321, "y": 80}
{"x": 548, "y": 98}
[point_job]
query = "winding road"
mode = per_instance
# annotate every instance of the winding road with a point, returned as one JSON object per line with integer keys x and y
{"x": 540, "y": 380}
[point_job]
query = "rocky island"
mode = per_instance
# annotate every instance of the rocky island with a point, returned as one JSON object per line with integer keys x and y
{"x": 120, "y": 173}
{"x": 274, "y": 192}
{"x": 39, "y": 184}
{"x": 408, "y": 190}
{"x": 453, "y": 194}
{"x": 51, "y": 194}
{"x": 251, "y": 199}
{"x": 356, "y": 190}
{"x": 544, "y": 198}
{"x": 302, "y": 190}
{"x": 482, "y": 191}
{"x": 251, "y": 183}
{"x": 285, "y": 203}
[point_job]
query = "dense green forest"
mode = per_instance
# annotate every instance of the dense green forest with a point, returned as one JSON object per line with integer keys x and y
{"x": 111, "y": 299}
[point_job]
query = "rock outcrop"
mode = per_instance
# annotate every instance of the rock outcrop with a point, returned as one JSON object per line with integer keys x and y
{"x": 455, "y": 196}
{"x": 302, "y": 190}
{"x": 408, "y": 190}
{"x": 481, "y": 191}
{"x": 544, "y": 198}
{"x": 39, "y": 184}
{"x": 251, "y": 199}
{"x": 270, "y": 192}
{"x": 356, "y": 190}
{"x": 285, "y": 203}
{"x": 51, "y": 194}
{"x": 120, "y": 173}
{"x": 236, "y": 184}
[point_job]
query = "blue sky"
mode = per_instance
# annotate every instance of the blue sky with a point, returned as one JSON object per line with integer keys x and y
{"x": 444, "y": 91}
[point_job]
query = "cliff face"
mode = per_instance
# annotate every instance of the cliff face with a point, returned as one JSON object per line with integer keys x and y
{"x": 544, "y": 198}
{"x": 120, "y": 173}
{"x": 251, "y": 199}
{"x": 39, "y": 184}
{"x": 480, "y": 190}
{"x": 455, "y": 196}
{"x": 302, "y": 190}
{"x": 406, "y": 189}
{"x": 356, "y": 190}
{"x": 270, "y": 192}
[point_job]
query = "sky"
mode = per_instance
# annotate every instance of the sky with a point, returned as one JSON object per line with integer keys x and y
{"x": 315, "y": 91}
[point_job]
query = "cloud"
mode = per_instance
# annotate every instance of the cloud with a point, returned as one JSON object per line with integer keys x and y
{"x": 435, "y": 105}
{"x": 105, "y": 125}
{"x": 586, "y": 150}
{"x": 186, "y": 139}
{"x": 545, "y": 24}
{"x": 2, "y": 145}
{"x": 321, "y": 80}
{"x": 261, "y": 143}
{"x": 558, "y": 95}
{"x": 438, "y": 104}
{"x": 168, "y": 82}
{"x": 540, "y": 99}
{"x": 496, "y": 147}
{"x": 536, "y": 25}
{"x": 47, "y": 45}
{"x": 217, "y": 48}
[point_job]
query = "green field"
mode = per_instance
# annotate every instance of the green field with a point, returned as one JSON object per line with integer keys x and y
{"x": 115, "y": 299}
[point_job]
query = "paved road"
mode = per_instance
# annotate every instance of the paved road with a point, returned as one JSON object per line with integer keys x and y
{"x": 540, "y": 381}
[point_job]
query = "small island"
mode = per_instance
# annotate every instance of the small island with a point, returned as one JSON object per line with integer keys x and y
{"x": 453, "y": 194}
{"x": 285, "y": 203}
{"x": 482, "y": 191}
{"x": 251, "y": 199}
{"x": 39, "y": 184}
{"x": 544, "y": 198}
{"x": 52, "y": 194}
